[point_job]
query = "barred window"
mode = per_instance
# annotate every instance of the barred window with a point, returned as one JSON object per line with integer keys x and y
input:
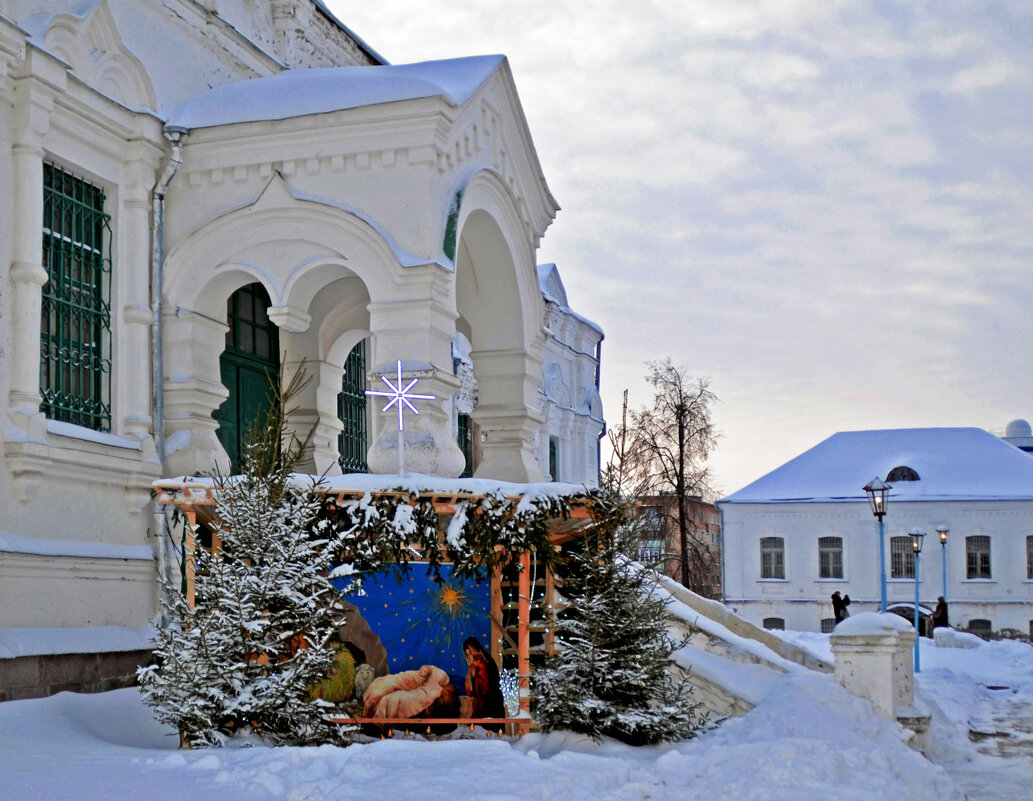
{"x": 902, "y": 558}
{"x": 772, "y": 558}
{"x": 830, "y": 557}
{"x": 464, "y": 438}
{"x": 75, "y": 327}
{"x": 827, "y": 625}
{"x": 351, "y": 410}
{"x": 775, "y": 623}
{"x": 1029, "y": 557}
{"x": 977, "y": 553}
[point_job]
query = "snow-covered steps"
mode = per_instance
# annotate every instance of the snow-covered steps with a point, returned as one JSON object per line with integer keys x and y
{"x": 731, "y": 663}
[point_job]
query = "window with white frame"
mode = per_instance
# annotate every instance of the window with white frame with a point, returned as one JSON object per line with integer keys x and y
{"x": 830, "y": 557}
{"x": 772, "y": 558}
{"x": 827, "y": 625}
{"x": 977, "y": 557}
{"x": 902, "y": 558}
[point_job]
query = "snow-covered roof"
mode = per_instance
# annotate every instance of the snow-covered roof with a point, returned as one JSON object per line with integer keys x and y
{"x": 552, "y": 289}
{"x": 952, "y": 464}
{"x": 301, "y": 92}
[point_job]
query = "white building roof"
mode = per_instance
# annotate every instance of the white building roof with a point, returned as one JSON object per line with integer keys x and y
{"x": 953, "y": 464}
{"x": 301, "y": 92}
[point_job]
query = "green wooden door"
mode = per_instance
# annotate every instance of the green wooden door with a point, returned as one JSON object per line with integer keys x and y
{"x": 249, "y": 368}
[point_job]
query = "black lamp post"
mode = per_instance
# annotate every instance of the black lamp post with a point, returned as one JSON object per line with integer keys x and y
{"x": 877, "y": 489}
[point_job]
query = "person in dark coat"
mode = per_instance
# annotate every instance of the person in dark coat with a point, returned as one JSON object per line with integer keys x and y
{"x": 940, "y": 614}
{"x": 839, "y": 606}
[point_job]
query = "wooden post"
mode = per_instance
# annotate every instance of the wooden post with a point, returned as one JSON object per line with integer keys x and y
{"x": 189, "y": 545}
{"x": 523, "y": 634}
{"x": 496, "y": 647}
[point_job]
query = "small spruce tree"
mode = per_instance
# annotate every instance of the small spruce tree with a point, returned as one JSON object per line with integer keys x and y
{"x": 611, "y": 674}
{"x": 258, "y": 636}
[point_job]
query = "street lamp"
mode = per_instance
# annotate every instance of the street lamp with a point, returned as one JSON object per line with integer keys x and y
{"x": 917, "y": 535}
{"x": 943, "y": 531}
{"x": 877, "y": 489}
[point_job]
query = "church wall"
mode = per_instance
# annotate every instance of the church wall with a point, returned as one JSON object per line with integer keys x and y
{"x": 342, "y": 216}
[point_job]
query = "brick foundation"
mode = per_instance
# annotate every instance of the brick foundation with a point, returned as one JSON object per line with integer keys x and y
{"x": 47, "y": 674}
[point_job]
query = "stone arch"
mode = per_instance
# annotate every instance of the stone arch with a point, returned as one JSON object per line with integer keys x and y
{"x": 499, "y": 305}
{"x": 299, "y": 251}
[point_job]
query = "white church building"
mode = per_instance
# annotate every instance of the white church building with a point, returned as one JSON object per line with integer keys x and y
{"x": 193, "y": 190}
{"x": 806, "y": 530}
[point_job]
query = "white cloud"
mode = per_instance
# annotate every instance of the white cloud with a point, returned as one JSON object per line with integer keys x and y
{"x": 772, "y": 191}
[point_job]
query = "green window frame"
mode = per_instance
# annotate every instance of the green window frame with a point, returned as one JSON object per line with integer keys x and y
{"x": 465, "y": 443}
{"x": 249, "y": 367}
{"x": 352, "y": 442}
{"x": 75, "y": 326}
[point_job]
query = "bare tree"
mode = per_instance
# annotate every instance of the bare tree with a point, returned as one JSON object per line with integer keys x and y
{"x": 666, "y": 453}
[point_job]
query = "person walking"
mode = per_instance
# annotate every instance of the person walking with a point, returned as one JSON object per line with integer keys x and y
{"x": 940, "y": 614}
{"x": 839, "y": 606}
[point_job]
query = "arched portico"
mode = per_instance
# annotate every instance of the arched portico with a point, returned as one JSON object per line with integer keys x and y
{"x": 322, "y": 268}
{"x": 500, "y": 312}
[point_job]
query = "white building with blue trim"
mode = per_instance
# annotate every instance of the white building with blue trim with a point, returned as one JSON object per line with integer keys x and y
{"x": 805, "y": 530}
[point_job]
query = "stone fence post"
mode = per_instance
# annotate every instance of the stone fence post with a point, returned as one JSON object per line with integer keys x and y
{"x": 873, "y": 654}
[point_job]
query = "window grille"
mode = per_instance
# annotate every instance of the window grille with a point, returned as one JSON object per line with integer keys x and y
{"x": 980, "y": 627}
{"x": 1029, "y": 557}
{"x": 776, "y": 623}
{"x": 977, "y": 552}
{"x": 75, "y": 327}
{"x": 830, "y": 557}
{"x": 772, "y": 558}
{"x": 827, "y": 625}
{"x": 351, "y": 409}
{"x": 554, "y": 458}
{"x": 902, "y": 558}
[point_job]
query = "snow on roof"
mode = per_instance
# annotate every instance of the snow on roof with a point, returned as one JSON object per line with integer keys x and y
{"x": 301, "y": 92}
{"x": 552, "y": 289}
{"x": 952, "y": 464}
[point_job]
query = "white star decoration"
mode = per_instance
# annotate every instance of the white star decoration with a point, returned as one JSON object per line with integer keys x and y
{"x": 400, "y": 395}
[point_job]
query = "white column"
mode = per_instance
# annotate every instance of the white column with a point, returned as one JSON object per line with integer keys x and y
{"x": 33, "y": 104}
{"x": 418, "y": 332}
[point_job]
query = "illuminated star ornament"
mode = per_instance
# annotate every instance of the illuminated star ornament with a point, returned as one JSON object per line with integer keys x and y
{"x": 400, "y": 395}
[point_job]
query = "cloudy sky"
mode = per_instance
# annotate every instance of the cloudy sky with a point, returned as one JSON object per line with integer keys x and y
{"x": 824, "y": 207}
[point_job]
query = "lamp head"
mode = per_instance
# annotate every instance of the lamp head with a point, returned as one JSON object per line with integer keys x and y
{"x": 876, "y": 490}
{"x": 943, "y": 531}
{"x": 917, "y": 535}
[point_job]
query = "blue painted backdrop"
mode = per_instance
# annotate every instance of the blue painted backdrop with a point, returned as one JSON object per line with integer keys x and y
{"x": 424, "y": 623}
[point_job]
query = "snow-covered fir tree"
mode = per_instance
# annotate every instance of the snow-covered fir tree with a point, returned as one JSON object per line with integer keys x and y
{"x": 611, "y": 675}
{"x": 260, "y": 632}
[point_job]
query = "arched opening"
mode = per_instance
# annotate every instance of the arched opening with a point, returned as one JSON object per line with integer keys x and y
{"x": 249, "y": 368}
{"x": 498, "y": 307}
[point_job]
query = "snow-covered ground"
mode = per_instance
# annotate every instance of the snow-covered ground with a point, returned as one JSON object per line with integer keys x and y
{"x": 807, "y": 740}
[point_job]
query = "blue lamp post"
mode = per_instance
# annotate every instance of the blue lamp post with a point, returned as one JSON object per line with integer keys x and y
{"x": 877, "y": 489}
{"x": 943, "y": 531}
{"x": 917, "y": 535}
